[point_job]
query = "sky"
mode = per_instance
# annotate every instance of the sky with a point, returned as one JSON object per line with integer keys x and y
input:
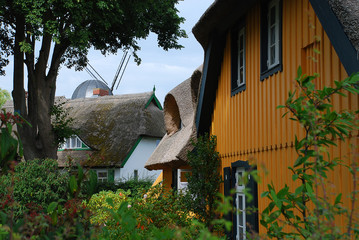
{"x": 159, "y": 68}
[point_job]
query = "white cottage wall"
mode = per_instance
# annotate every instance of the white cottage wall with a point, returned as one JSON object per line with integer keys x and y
{"x": 137, "y": 161}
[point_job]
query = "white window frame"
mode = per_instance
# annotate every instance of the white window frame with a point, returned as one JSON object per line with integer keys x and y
{"x": 240, "y": 211}
{"x": 273, "y": 4}
{"x": 241, "y": 215}
{"x": 73, "y": 142}
{"x": 102, "y": 178}
{"x": 182, "y": 186}
{"x": 241, "y": 49}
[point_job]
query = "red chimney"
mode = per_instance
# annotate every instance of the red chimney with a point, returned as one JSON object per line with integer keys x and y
{"x": 100, "y": 92}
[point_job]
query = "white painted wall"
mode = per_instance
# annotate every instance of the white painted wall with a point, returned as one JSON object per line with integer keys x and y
{"x": 137, "y": 161}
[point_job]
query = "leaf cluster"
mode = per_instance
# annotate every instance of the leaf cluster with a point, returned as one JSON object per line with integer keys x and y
{"x": 312, "y": 214}
{"x": 77, "y": 26}
{"x": 61, "y": 123}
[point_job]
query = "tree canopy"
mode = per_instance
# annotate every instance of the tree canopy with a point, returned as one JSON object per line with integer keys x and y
{"x": 43, "y": 34}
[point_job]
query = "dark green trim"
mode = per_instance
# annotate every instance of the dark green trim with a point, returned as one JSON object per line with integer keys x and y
{"x": 209, "y": 83}
{"x": 131, "y": 151}
{"x": 111, "y": 175}
{"x": 155, "y": 100}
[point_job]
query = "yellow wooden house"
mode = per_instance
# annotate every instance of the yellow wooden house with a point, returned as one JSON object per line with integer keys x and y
{"x": 252, "y": 52}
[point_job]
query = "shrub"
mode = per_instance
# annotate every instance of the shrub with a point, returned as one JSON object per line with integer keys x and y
{"x": 161, "y": 208}
{"x": 99, "y": 206}
{"x": 135, "y": 187}
{"x": 36, "y": 181}
{"x": 204, "y": 180}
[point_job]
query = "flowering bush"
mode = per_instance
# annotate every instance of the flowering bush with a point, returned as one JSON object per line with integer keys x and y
{"x": 99, "y": 206}
{"x": 10, "y": 143}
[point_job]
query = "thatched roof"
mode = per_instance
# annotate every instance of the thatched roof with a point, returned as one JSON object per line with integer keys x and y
{"x": 179, "y": 111}
{"x": 111, "y": 125}
{"x": 347, "y": 11}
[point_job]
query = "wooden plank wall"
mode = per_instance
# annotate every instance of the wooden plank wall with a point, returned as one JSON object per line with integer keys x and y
{"x": 249, "y": 127}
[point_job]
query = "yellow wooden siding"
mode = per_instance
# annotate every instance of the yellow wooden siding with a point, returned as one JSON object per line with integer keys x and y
{"x": 167, "y": 178}
{"x": 248, "y": 126}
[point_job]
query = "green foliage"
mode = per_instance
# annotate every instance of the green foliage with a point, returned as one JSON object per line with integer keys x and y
{"x": 308, "y": 210}
{"x": 36, "y": 181}
{"x": 108, "y": 26}
{"x": 10, "y": 143}
{"x": 161, "y": 208}
{"x": 205, "y": 179}
{"x": 159, "y": 214}
{"x": 98, "y": 205}
{"x": 4, "y": 96}
{"x": 61, "y": 123}
{"x": 135, "y": 186}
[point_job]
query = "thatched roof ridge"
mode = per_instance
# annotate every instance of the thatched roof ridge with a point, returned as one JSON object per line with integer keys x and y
{"x": 179, "y": 111}
{"x": 111, "y": 125}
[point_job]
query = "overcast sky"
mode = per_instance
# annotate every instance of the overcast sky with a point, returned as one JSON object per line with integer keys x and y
{"x": 164, "y": 69}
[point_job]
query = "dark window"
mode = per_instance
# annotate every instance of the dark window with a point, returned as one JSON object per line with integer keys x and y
{"x": 238, "y": 59}
{"x": 271, "y": 38}
{"x": 243, "y": 220}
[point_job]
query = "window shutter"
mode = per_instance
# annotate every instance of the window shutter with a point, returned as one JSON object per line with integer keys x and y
{"x": 252, "y": 218}
{"x": 227, "y": 182}
{"x": 111, "y": 175}
{"x": 174, "y": 179}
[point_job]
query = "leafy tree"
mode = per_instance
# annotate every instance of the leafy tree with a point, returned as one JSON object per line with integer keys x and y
{"x": 4, "y": 96}
{"x": 205, "y": 179}
{"x": 308, "y": 210}
{"x": 44, "y": 34}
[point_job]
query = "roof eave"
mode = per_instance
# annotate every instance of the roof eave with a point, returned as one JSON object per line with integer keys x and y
{"x": 219, "y": 17}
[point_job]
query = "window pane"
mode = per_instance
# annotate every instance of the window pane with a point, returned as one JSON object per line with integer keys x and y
{"x": 272, "y": 35}
{"x": 241, "y": 42}
{"x": 272, "y": 54}
{"x": 67, "y": 143}
{"x": 73, "y": 142}
{"x": 102, "y": 174}
{"x": 241, "y": 77}
{"x": 272, "y": 14}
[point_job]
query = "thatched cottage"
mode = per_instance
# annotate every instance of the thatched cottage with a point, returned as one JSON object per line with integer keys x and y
{"x": 179, "y": 112}
{"x": 116, "y": 133}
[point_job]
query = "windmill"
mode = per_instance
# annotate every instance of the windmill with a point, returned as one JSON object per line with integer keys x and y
{"x": 120, "y": 71}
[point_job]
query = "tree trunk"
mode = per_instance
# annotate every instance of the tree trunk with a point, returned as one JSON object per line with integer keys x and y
{"x": 38, "y": 139}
